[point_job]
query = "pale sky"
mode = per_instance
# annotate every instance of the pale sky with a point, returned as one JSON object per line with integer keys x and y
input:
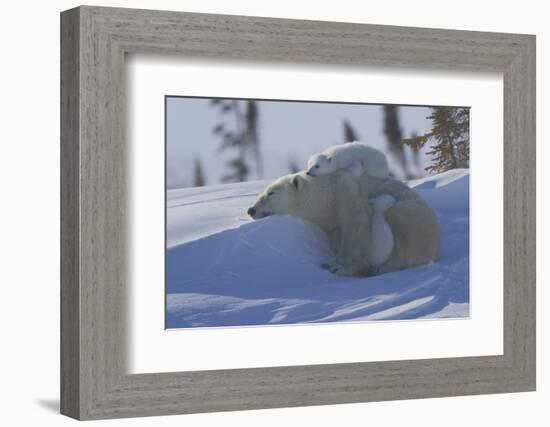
{"x": 287, "y": 131}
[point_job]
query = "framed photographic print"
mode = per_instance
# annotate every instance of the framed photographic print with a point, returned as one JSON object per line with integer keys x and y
{"x": 232, "y": 163}
{"x": 262, "y": 213}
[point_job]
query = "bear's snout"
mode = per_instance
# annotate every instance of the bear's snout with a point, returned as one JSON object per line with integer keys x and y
{"x": 257, "y": 213}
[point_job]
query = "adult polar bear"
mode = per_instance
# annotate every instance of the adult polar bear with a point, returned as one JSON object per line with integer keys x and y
{"x": 339, "y": 204}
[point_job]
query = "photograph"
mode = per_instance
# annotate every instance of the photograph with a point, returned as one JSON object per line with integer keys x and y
{"x": 283, "y": 212}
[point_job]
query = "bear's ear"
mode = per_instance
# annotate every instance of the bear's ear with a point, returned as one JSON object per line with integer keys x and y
{"x": 329, "y": 159}
{"x": 296, "y": 182}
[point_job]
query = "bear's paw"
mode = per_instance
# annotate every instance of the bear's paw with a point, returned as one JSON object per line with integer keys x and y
{"x": 338, "y": 269}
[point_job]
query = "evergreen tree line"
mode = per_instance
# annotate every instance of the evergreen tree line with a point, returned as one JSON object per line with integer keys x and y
{"x": 238, "y": 133}
{"x": 450, "y": 135}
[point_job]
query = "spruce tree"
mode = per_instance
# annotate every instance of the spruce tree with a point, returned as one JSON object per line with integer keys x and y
{"x": 350, "y": 135}
{"x": 238, "y": 130}
{"x": 416, "y": 155}
{"x": 251, "y": 134}
{"x": 293, "y": 166}
{"x": 198, "y": 175}
{"x": 394, "y": 136}
{"x": 451, "y": 136}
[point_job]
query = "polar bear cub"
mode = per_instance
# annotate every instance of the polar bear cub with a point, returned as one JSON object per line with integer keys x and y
{"x": 381, "y": 233}
{"x": 356, "y": 157}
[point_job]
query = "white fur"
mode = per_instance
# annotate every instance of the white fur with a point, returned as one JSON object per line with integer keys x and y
{"x": 341, "y": 205}
{"x": 381, "y": 234}
{"x": 356, "y": 157}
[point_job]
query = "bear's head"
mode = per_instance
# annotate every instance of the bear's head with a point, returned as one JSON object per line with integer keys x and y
{"x": 319, "y": 164}
{"x": 283, "y": 197}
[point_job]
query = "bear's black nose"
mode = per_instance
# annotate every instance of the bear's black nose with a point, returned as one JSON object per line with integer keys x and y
{"x": 251, "y": 211}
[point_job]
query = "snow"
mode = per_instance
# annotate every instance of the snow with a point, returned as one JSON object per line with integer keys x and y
{"x": 223, "y": 269}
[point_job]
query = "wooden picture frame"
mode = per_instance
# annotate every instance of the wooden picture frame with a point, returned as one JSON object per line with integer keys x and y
{"x": 94, "y": 41}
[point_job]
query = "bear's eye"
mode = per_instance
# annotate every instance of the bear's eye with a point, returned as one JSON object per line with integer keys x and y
{"x": 271, "y": 193}
{"x": 316, "y": 166}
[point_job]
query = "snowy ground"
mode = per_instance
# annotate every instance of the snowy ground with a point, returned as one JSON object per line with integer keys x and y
{"x": 224, "y": 269}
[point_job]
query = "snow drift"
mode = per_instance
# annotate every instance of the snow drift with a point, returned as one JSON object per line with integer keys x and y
{"x": 223, "y": 269}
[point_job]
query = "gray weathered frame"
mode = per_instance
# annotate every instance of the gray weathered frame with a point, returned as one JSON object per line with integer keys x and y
{"x": 94, "y": 41}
